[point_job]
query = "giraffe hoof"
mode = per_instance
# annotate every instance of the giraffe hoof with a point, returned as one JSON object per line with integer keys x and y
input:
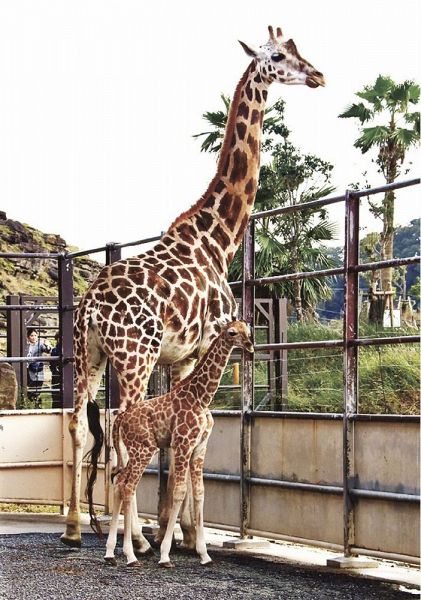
{"x": 134, "y": 564}
{"x": 148, "y": 552}
{"x": 208, "y": 563}
{"x": 71, "y": 542}
{"x": 111, "y": 561}
{"x": 167, "y": 565}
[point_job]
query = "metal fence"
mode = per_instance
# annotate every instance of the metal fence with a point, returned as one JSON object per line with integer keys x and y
{"x": 350, "y": 343}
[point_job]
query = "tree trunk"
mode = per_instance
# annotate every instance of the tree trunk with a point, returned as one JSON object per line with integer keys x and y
{"x": 387, "y": 239}
{"x": 297, "y": 300}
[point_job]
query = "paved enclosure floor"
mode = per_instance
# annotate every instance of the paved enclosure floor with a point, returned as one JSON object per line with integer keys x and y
{"x": 37, "y": 566}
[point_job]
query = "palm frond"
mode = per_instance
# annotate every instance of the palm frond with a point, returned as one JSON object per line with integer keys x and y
{"x": 360, "y": 111}
{"x": 406, "y": 137}
{"x": 371, "y": 136}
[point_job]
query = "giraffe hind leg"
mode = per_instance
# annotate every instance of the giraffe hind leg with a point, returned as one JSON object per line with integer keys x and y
{"x": 78, "y": 429}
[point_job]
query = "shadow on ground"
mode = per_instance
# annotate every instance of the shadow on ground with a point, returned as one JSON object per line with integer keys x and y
{"x": 38, "y": 566}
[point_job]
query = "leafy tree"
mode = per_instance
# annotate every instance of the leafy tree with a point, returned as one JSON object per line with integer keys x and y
{"x": 294, "y": 242}
{"x": 387, "y": 105}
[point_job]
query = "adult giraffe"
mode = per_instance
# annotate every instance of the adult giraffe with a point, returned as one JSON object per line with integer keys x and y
{"x": 166, "y": 306}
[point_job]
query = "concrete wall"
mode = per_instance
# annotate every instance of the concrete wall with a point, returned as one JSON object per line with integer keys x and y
{"x": 36, "y": 464}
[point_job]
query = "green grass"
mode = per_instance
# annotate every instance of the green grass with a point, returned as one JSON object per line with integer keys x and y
{"x": 389, "y": 380}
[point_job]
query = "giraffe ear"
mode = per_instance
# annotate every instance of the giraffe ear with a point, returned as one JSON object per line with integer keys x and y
{"x": 248, "y": 49}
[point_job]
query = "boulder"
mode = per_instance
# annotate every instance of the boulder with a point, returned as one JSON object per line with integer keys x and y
{"x": 8, "y": 387}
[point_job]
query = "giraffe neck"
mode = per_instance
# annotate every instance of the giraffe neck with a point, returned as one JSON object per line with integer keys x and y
{"x": 220, "y": 217}
{"x": 204, "y": 380}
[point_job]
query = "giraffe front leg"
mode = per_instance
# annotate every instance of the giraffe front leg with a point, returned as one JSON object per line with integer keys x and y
{"x": 179, "y": 371}
{"x": 78, "y": 429}
{"x": 140, "y": 544}
{"x": 127, "y": 544}
{"x": 112, "y": 535}
{"x": 180, "y": 487}
{"x": 196, "y": 470}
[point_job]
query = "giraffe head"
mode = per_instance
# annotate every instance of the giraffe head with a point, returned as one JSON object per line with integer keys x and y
{"x": 238, "y": 334}
{"x": 279, "y": 60}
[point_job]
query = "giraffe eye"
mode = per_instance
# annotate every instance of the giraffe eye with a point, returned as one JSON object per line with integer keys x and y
{"x": 232, "y": 332}
{"x": 277, "y": 56}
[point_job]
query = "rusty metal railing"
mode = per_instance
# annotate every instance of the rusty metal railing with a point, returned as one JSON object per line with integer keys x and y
{"x": 350, "y": 344}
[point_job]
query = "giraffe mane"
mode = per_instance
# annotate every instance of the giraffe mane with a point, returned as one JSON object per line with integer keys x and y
{"x": 229, "y": 130}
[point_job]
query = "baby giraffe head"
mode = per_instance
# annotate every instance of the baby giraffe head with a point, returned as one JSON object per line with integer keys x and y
{"x": 279, "y": 60}
{"x": 238, "y": 334}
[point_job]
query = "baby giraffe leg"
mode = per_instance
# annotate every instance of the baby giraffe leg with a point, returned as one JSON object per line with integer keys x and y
{"x": 164, "y": 560}
{"x": 127, "y": 544}
{"x": 112, "y": 535}
{"x": 180, "y": 487}
{"x": 196, "y": 470}
{"x": 140, "y": 543}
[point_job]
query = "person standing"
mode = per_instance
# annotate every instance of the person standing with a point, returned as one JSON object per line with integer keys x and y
{"x": 35, "y": 370}
{"x": 55, "y": 374}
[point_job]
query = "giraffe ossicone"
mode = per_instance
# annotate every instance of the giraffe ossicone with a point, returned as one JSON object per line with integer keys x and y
{"x": 167, "y": 305}
{"x": 180, "y": 419}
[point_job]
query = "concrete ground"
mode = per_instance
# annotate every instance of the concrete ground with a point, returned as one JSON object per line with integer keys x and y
{"x": 407, "y": 578}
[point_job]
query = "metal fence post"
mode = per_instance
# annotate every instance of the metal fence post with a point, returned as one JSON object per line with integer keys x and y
{"x": 350, "y": 334}
{"x": 112, "y": 397}
{"x": 112, "y": 394}
{"x": 65, "y": 304}
{"x": 247, "y": 398}
{"x": 350, "y": 361}
{"x": 14, "y": 334}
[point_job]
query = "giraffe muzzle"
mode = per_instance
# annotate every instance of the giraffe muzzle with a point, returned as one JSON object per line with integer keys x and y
{"x": 316, "y": 79}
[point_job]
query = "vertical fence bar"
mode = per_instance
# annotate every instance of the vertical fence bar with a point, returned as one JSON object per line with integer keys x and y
{"x": 65, "y": 304}
{"x": 112, "y": 398}
{"x": 247, "y": 401}
{"x": 14, "y": 335}
{"x": 112, "y": 394}
{"x": 350, "y": 362}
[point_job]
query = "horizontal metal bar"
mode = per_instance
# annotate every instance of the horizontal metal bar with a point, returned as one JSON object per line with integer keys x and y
{"x": 271, "y": 414}
{"x": 385, "y": 188}
{"x": 46, "y": 255}
{"x": 85, "y": 252}
{"x": 33, "y": 464}
{"x": 25, "y": 359}
{"x": 155, "y": 238}
{"x": 295, "y": 485}
{"x": 303, "y": 206}
{"x": 100, "y": 465}
{"x": 379, "y": 495}
{"x": 385, "y": 264}
{"x": 294, "y": 276}
{"x": 29, "y": 308}
{"x": 37, "y": 501}
{"x": 300, "y": 345}
{"x": 402, "y": 339}
{"x": 385, "y": 418}
{"x": 226, "y": 413}
{"x": 386, "y": 555}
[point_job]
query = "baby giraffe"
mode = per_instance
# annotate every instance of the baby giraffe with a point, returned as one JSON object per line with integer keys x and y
{"x": 180, "y": 419}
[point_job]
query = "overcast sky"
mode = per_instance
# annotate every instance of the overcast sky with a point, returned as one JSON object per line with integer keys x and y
{"x": 99, "y": 101}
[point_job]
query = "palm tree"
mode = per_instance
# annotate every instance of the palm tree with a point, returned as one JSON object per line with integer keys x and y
{"x": 294, "y": 242}
{"x": 395, "y": 131}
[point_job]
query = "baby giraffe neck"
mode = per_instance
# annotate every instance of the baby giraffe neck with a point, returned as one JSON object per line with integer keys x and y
{"x": 207, "y": 375}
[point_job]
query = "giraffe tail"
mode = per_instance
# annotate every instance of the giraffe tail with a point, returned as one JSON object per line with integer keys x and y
{"x": 93, "y": 414}
{"x": 92, "y": 459}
